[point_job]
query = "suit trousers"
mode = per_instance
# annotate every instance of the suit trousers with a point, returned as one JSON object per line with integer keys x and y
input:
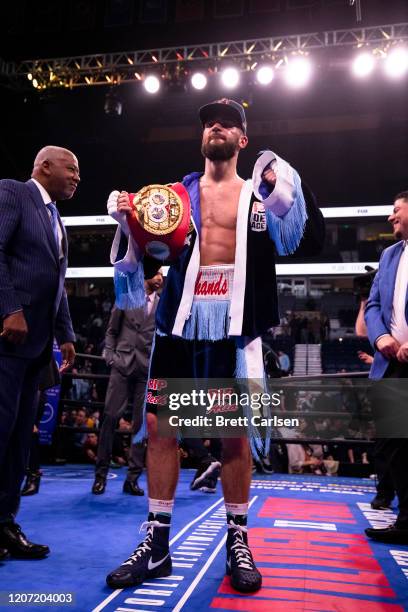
{"x": 393, "y": 452}
{"x": 385, "y": 485}
{"x": 120, "y": 388}
{"x": 19, "y": 380}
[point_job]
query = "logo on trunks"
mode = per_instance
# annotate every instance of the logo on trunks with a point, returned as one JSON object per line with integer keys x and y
{"x": 156, "y": 385}
{"x": 216, "y": 287}
{"x": 258, "y": 217}
{"x": 223, "y": 397}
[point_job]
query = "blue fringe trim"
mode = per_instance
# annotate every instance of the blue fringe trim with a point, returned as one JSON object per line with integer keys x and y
{"x": 287, "y": 231}
{"x": 209, "y": 320}
{"x": 268, "y": 434}
{"x": 129, "y": 288}
{"x": 160, "y": 333}
{"x": 141, "y": 434}
{"x": 256, "y": 443}
{"x": 240, "y": 367}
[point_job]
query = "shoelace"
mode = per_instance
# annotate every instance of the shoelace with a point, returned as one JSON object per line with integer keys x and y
{"x": 150, "y": 524}
{"x": 242, "y": 552}
{"x": 147, "y": 542}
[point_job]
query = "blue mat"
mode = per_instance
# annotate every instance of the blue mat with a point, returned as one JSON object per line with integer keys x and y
{"x": 306, "y": 534}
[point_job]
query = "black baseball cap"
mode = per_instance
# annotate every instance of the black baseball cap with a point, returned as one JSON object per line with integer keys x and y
{"x": 224, "y": 108}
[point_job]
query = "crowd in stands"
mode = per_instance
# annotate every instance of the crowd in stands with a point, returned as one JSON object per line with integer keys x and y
{"x": 303, "y": 328}
{"x": 77, "y": 438}
{"x": 338, "y": 453}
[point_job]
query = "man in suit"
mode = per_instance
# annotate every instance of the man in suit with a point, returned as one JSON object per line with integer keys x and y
{"x": 386, "y": 316}
{"x": 128, "y": 343}
{"x": 33, "y": 310}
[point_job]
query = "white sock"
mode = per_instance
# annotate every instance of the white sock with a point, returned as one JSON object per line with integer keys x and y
{"x": 234, "y": 509}
{"x": 161, "y": 506}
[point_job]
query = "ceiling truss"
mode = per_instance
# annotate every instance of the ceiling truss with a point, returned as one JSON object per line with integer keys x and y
{"x": 120, "y": 67}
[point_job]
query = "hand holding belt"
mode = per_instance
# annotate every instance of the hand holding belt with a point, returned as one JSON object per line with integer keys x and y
{"x": 160, "y": 220}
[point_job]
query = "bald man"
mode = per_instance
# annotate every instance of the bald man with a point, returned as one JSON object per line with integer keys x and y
{"x": 33, "y": 310}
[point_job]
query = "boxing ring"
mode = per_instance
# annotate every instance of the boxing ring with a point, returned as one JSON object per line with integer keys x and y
{"x": 306, "y": 533}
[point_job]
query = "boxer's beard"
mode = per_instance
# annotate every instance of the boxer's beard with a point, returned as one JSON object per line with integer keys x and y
{"x": 218, "y": 151}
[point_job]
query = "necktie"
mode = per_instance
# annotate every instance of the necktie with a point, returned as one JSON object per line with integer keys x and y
{"x": 54, "y": 221}
{"x": 147, "y": 309}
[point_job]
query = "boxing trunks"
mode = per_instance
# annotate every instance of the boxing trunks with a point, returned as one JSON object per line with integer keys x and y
{"x": 204, "y": 352}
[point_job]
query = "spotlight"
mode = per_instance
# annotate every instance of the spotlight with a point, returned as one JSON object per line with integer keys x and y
{"x": 363, "y": 65}
{"x": 198, "y": 80}
{"x": 151, "y": 84}
{"x": 265, "y": 75}
{"x": 298, "y": 72}
{"x": 396, "y": 64}
{"x": 113, "y": 104}
{"x": 230, "y": 77}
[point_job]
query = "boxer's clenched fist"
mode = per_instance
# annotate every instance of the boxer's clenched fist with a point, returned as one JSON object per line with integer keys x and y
{"x": 119, "y": 199}
{"x": 124, "y": 202}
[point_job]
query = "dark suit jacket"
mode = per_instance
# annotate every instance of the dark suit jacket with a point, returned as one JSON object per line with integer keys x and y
{"x": 128, "y": 340}
{"x": 31, "y": 273}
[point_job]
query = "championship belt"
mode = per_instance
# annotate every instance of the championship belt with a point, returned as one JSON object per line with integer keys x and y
{"x": 160, "y": 220}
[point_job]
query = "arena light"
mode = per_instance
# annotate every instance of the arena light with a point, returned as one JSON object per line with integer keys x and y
{"x": 363, "y": 65}
{"x": 298, "y": 72}
{"x": 396, "y": 63}
{"x": 151, "y": 84}
{"x": 198, "y": 80}
{"x": 265, "y": 75}
{"x": 230, "y": 77}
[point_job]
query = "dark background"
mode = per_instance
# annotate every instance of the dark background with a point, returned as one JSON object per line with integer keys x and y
{"x": 347, "y": 138}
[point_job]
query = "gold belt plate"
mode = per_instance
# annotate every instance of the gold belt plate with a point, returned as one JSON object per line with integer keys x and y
{"x": 159, "y": 209}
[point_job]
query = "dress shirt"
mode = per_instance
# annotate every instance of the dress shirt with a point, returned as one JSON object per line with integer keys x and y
{"x": 399, "y": 325}
{"x": 149, "y": 302}
{"x": 47, "y": 200}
